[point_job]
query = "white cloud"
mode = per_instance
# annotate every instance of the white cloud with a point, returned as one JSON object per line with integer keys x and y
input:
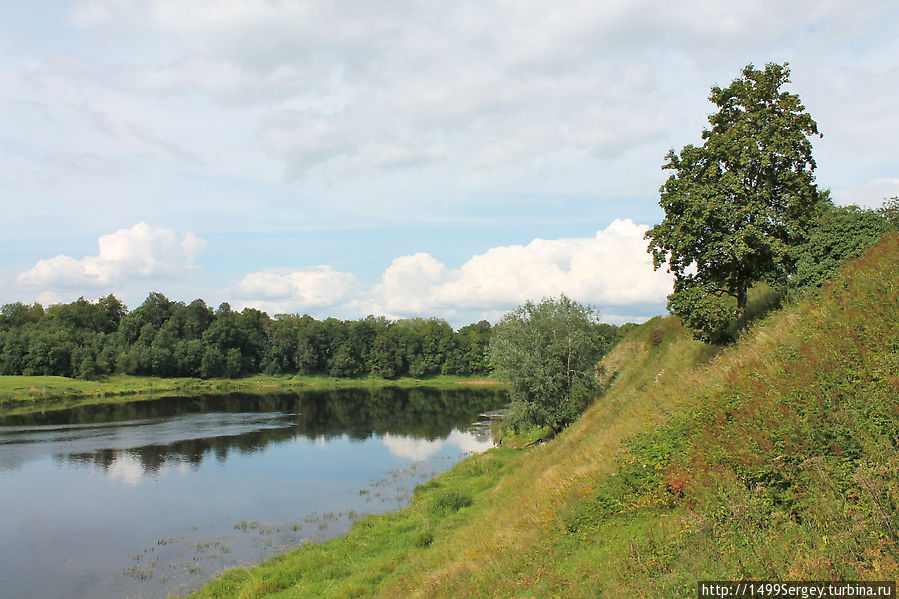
{"x": 871, "y": 195}
{"x": 352, "y": 88}
{"x": 612, "y": 268}
{"x": 315, "y": 286}
{"x": 141, "y": 252}
{"x": 407, "y": 284}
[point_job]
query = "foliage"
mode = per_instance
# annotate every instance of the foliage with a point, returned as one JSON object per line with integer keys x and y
{"x": 167, "y": 338}
{"x": 737, "y": 204}
{"x": 548, "y": 353}
{"x": 840, "y": 233}
{"x": 447, "y": 501}
{"x": 707, "y": 313}
{"x": 890, "y": 211}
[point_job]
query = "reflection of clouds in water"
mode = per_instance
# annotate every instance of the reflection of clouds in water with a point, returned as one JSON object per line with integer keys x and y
{"x": 421, "y": 449}
{"x": 469, "y": 442}
{"x": 410, "y": 447}
{"x": 127, "y": 469}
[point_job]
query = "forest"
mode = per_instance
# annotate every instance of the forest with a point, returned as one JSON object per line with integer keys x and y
{"x": 166, "y": 338}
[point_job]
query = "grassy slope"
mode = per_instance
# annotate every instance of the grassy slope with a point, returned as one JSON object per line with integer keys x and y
{"x": 776, "y": 458}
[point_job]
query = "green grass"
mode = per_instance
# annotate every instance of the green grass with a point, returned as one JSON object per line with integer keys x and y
{"x": 19, "y": 394}
{"x": 773, "y": 458}
{"x": 379, "y": 546}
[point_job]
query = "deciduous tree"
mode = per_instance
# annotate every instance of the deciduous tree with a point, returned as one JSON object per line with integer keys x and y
{"x": 548, "y": 353}
{"x": 737, "y": 204}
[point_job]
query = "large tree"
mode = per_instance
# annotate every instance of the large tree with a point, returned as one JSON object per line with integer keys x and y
{"x": 548, "y": 353}
{"x": 737, "y": 204}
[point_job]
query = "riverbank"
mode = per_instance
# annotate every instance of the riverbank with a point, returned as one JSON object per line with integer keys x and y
{"x": 774, "y": 458}
{"x": 26, "y": 393}
{"x": 163, "y": 493}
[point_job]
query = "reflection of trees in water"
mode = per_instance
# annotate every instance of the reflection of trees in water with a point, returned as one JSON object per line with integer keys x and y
{"x": 152, "y": 458}
{"x": 358, "y": 413}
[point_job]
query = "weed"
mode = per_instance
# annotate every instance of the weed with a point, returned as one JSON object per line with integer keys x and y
{"x": 447, "y": 501}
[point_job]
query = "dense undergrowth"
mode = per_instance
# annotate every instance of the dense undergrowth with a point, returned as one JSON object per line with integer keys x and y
{"x": 777, "y": 458}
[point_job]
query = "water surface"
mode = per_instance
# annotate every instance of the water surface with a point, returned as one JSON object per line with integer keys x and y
{"x": 152, "y": 498}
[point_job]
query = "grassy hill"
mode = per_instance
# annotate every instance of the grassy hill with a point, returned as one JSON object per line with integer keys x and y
{"x": 776, "y": 458}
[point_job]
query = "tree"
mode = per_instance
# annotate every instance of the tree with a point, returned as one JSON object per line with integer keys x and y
{"x": 890, "y": 211}
{"x": 548, "y": 353}
{"x": 737, "y": 205}
{"x": 841, "y": 233}
{"x": 473, "y": 342}
{"x": 18, "y": 314}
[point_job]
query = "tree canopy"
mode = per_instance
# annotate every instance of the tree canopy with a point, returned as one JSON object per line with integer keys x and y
{"x": 841, "y": 233}
{"x": 548, "y": 353}
{"x": 890, "y": 211}
{"x": 168, "y": 338}
{"x": 736, "y": 205}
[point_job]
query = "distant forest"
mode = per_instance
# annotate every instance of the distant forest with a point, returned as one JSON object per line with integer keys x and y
{"x": 168, "y": 338}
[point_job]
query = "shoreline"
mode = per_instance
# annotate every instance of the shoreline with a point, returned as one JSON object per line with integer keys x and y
{"x": 22, "y": 394}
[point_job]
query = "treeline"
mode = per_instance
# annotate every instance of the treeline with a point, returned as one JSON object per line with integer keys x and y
{"x": 168, "y": 338}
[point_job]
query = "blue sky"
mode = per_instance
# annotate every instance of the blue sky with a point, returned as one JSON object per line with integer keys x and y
{"x": 436, "y": 159}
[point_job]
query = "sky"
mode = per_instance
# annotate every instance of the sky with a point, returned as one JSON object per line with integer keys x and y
{"x": 448, "y": 159}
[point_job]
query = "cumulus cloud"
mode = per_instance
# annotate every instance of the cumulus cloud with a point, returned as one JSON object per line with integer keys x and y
{"x": 611, "y": 268}
{"x": 316, "y": 286}
{"x": 871, "y": 195}
{"x": 141, "y": 252}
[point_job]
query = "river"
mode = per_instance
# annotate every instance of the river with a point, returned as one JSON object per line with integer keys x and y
{"x": 151, "y": 498}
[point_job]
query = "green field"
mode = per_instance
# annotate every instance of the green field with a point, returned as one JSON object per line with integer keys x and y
{"x": 27, "y": 393}
{"x": 775, "y": 458}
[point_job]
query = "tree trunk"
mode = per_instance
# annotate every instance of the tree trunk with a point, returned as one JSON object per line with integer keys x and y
{"x": 741, "y": 309}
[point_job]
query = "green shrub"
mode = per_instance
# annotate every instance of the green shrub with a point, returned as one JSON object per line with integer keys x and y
{"x": 423, "y": 538}
{"x": 448, "y": 501}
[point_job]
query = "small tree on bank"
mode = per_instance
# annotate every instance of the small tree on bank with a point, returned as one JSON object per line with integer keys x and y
{"x": 548, "y": 353}
{"x": 736, "y": 205}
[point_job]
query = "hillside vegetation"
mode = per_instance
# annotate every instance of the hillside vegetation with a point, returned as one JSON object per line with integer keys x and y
{"x": 773, "y": 458}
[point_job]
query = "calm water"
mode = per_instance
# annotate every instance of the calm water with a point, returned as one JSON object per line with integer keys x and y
{"x": 152, "y": 498}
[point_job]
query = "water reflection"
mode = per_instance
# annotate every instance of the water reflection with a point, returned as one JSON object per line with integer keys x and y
{"x": 114, "y": 501}
{"x": 157, "y": 435}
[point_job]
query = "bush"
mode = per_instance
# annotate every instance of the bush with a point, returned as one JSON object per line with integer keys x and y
{"x": 448, "y": 501}
{"x": 840, "y": 234}
{"x": 548, "y": 353}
